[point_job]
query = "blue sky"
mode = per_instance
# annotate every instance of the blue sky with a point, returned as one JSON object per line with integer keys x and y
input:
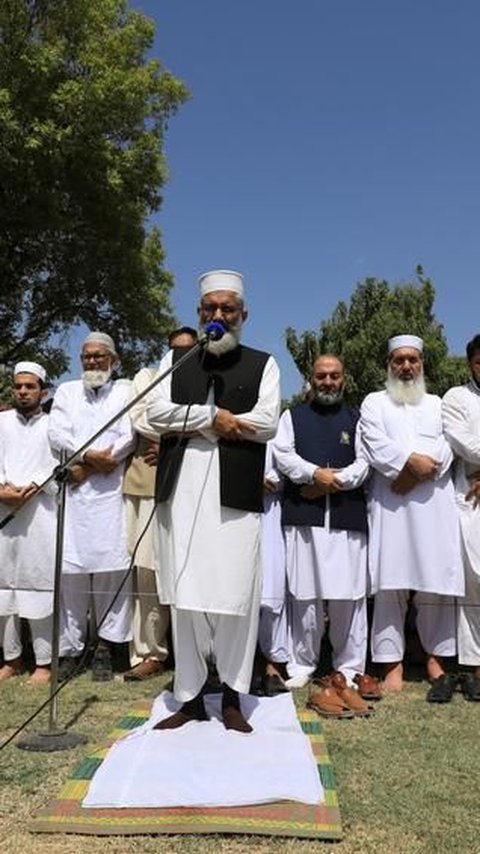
{"x": 325, "y": 141}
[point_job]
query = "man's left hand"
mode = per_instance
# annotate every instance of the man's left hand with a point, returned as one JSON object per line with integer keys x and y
{"x": 404, "y": 482}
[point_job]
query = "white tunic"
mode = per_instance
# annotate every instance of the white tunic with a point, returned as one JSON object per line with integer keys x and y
{"x": 461, "y": 418}
{"x": 273, "y": 541}
{"x": 414, "y": 538}
{"x": 321, "y": 562}
{"x": 209, "y": 555}
{"x": 27, "y": 543}
{"x": 95, "y": 536}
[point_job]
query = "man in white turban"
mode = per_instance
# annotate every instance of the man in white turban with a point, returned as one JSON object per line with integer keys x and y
{"x": 95, "y": 556}
{"x": 27, "y": 542}
{"x": 215, "y": 415}
{"x": 414, "y": 543}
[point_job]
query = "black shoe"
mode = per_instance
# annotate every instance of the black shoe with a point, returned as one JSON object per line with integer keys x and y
{"x": 442, "y": 688}
{"x": 470, "y": 685}
{"x": 68, "y": 667}
{"x": 102, "y": 670}
{"x": 273, "y": 685}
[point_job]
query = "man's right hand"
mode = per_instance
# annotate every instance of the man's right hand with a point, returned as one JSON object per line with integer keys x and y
{"x": 102, "y": 461}
{"x": 228, "y": 426}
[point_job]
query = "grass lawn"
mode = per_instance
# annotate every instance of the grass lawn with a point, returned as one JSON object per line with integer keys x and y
{"x": 408, "y": 780}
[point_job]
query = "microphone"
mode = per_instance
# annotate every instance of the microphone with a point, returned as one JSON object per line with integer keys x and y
{"x": 212, "y": 331}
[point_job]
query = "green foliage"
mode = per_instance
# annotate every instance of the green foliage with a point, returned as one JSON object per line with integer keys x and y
{"x": 83, "y": 115}
{"x": 358, "y": 334}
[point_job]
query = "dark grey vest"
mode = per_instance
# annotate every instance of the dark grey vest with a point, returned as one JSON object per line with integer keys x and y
{"x": 235, "y": 379}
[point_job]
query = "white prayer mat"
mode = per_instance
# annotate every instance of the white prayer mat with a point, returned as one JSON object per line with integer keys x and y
{"x": 204, "y": 765}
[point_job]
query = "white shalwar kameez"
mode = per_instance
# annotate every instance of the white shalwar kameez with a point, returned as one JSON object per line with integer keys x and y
{"x": 272, "y": 629}
{"x": 414, "y": 539}
{"x": 209, "y": 555}
{"x": 323, "y": 565}
{"x": 151, "y": 619}
{"x": 461, "y": 419}
{"x": 27, "y": 543}
{"x": 95, "y": 535}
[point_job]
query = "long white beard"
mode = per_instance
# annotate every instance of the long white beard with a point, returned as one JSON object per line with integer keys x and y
{"x": 229, "y": 341}
{"x": 95, "y": 379}
{"x": 410, "y": 391}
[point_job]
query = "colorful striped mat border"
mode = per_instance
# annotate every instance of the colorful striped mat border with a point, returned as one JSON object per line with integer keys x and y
{"x": 285, "y": 818}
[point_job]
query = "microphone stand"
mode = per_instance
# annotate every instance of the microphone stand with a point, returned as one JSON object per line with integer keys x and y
{"x": 56, "y": 738}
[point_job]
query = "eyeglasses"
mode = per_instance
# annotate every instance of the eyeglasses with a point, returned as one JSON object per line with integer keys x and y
{"x": 94, "y": 357}
{"x": 226, "y": 309}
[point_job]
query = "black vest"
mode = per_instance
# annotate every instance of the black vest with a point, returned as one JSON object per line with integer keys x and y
{"x": 235, "y": 378}
{"x": 325, "y": 435}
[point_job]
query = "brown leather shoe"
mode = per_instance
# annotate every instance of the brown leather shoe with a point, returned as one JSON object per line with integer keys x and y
{"x": 147, "y": 669}
{"x": 368, "y": 686}
{"x": 349, "y": 696}
{"x": 327, "y": 703}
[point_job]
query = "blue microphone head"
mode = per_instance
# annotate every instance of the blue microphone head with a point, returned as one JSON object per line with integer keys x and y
{"x": 214, "y": 330}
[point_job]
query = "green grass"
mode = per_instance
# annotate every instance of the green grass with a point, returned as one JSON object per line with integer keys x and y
{"x": 408, "y": 780}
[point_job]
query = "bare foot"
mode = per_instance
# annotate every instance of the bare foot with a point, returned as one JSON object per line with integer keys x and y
{"x": 272, "y": 670}
{"x": 11, "y": 668}
{"x": 194, "y": 710}
{"x": 40, "y": 676}
{"x": 434, "y": 667}
{"x": 393, "y": 679}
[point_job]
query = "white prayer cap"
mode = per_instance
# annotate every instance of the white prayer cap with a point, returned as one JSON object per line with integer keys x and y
{"x": 30, "y": 368}
{"x": 405, "y": 341}
{"x": 97, "y": 337}
{"x": 221, "y": 280}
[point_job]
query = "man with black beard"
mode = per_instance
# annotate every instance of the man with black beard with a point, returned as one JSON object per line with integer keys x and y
{"x": 214, "y": 415}
{"x": 325, "y": 524}
{"x": 413, "y": 523}
{"x": 27, "y": 542}
{"x": 95, "y": 553}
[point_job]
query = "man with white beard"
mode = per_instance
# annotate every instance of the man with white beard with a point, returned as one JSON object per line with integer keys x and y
{"x": 414, "y": 542}
{"x": 95, "y": 555}
{"x": 221, "y": 407}
{"x": 461, "y": 419}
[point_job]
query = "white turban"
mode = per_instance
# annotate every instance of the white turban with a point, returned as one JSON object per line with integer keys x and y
{"x": 97, "y": 337}
{"x": 221, "y": 280}
{"x": 405, "y": 341}
{"x": 30, "y": 368}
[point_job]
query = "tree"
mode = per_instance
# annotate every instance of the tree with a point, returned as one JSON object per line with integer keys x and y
{"x": 83, "y": 115}
{"x": 359, "y": 332}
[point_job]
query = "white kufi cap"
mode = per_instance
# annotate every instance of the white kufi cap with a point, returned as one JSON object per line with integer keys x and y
{"x": 30, "y": 368}
{"x": 97, "y": 337}
{"x": 405, "y": 341}
{"x": 221, "y": 280}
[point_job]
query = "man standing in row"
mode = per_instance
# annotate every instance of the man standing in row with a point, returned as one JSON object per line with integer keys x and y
{"x": 151, "y": 619}
{"x": 222, "y": 406}
{"x": 27, "y": 543}
{"x": 414, "y": 543}
{"x": 95, "y": 555}
{"x": 325, "y": 523}
{"x": 461, "y": 418}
